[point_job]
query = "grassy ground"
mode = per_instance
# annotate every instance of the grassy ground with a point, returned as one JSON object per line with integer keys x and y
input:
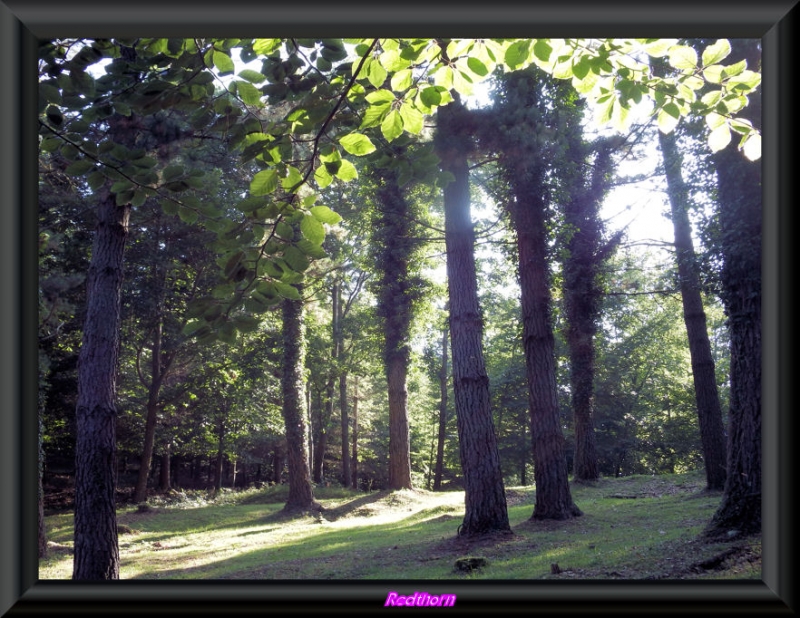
{"x": 639, "y": 527}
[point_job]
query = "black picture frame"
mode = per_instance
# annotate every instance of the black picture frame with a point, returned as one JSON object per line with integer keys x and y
{"x": 23, "y": 23}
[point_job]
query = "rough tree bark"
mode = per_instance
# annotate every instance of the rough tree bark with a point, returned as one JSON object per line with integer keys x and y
{"x": 739, "y": 184}
{"x": 96, "y": 550}
{"x": 709, "y": 409}
{"x": 301, "y": 496}
{"x": 485, "y": 509}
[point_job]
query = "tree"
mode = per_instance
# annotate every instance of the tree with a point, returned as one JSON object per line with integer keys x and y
{"x": 485, "y": 500}
{"x": 398, "y": 289}
{"x": 709, "y": 409}
{"x": 524, "y": 168}
{"x": 739, "y": 190}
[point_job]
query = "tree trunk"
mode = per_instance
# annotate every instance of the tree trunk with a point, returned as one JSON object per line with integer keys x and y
{"x": 42, "y": 529}
{"x": 166, "y": 471}
{"x": 739, "y": 184}
{"x": 354, "y": 461}
{"x": 220, "y": 458}
{"x": 439, "y": 471}
{"x": 709, "y": 409}
{"x": 485, "y": 509}
{"x": 395, "y": 297}
{"x": 96, "y": 550}
{"x": 553, "y": 497}
{"x": 301, "y": 496}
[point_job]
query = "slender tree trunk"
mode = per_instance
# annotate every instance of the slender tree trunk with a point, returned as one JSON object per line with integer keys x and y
{"x": 439, "y": 471}
{"x": 166, "y": 470}
{"x": 354, "y": 461}
{"x": 220, "y": 457}
{"x": 345, "y": 430}
{"x": 320, "y": 440}
{"x": 96, "y": 548}
{"x": 739, "y": 184}
{"x": 301, "y": 496}
{"x": 709, "y": 409}
{"x": 485, "y": 509}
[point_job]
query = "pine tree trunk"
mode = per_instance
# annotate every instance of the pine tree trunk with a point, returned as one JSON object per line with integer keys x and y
{"x": 166, "y": 471}
{"x": 96, "y": 550}
{"x": 739, "y": 184}
{"x": 301, "y": 495}
{"x": 485, "y": 508}
{"x": 553, "y": 496}
{"x": 709, "y": 409}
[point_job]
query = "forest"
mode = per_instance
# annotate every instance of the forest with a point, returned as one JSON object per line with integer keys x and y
{"x": 396, "y": 265}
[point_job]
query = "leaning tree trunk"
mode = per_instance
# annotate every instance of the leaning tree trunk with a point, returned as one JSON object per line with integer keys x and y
{"x": 301, "y": 495}
{"x": 96, "y": 550}
{"x": 709, "y": 410}
{"x": 739, "y": 184}
{"x": 484, "y": 492}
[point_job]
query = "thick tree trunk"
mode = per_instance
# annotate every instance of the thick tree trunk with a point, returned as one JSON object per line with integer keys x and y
{"x": 439, "y": 470}
{"x": 42, "y": 529}
{"x": 553, "y": 496}
{"x": 739, "y": 184}
{"x": 301, "y": 496}
{"x": 709, "y": 409}
{"x": 96, "y": 548}
{"x": 395, "y": 298}
{"x": 399, "y": 442}
{"x": 485, "y": 509}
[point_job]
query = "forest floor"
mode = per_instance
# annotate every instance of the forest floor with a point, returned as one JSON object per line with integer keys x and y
{"x": 637, "y": 528}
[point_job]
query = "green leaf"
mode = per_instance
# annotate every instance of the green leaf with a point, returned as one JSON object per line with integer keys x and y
{"x": 401, "y": 80}
{"x": 223, "y": 62}
{"x": 323, "y": 214}
{"x": 751, "y": 145}
{"x": 682, "y": 57}
{"x": 187, "y": 215}
{"x": 172, "y": 172}
{"x": 322, "y": 177}
{"x": 713, "y": 73}
{"x": 292, "y": 180}
{"x": 357, "y": 144}
{"x": 392, "y": 125}
{"x": 477, "y": 67}
{"x": 227, "y": 333}
{"x": 666, "y": 121}
{"x": 412, "y": 118}
{"x": 248, "y": 93}
{"x": 716, "y": 52}
{"x": 252, "y": 76}
{"x": 659, "y": 47}
{"x": 719, "y": 138}
{"x": 264, "y": 182}
{"x": 79, "y": 168}
{"x": 233, "y": 263}
{"x": 542, "y": 50}
{"x": 381, "y": 97}
{"x": 311, "y": 250}
{"x": 287, "y": 291}
{"x": 376, "y": 74}
{"x": 312, "y": 229}
{"x": 193, "y": 326}
{"x": 431, "y": 96}
{"x": 518, "y": 52}
{"x": 284, "y": 231}
{"x": 347, "y": 171}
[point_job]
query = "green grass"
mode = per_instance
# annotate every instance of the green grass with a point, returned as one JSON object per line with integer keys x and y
{"x": 637, "y": 527}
